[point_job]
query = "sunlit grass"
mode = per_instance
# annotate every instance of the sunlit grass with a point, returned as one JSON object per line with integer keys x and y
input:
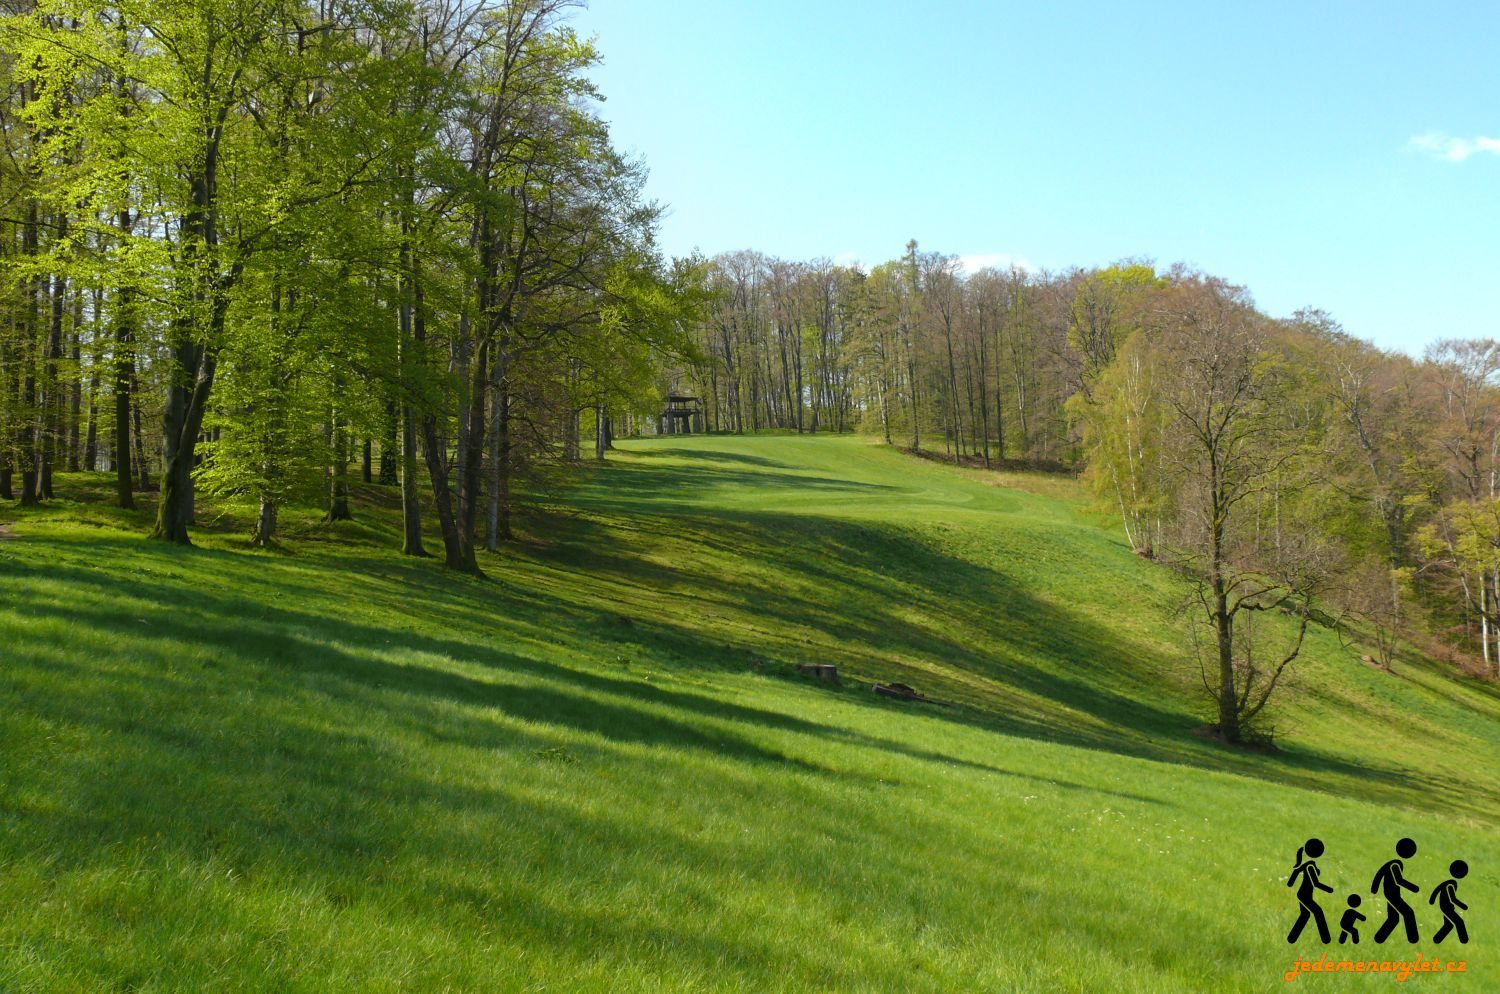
{"x": 331, "y": 768}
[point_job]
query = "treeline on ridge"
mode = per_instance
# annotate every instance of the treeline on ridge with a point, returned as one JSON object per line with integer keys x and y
{"x": 1281, "y": 464}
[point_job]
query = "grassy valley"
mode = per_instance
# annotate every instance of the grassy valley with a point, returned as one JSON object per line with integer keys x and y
{"x": 327, "y": 766}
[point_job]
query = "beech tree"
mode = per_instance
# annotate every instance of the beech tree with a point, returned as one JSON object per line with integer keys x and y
{"x": 309, "y": 223}
{"x": 183, "y": 133}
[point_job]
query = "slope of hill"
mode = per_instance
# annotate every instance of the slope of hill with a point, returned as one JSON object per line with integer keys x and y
{"x": 333, "y": 768}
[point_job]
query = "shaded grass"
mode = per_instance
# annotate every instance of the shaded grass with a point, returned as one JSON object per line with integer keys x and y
{"x": 329, "y": 767}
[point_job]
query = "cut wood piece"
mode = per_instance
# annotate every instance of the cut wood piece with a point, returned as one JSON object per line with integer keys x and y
{"x": 902, "y": 692}
{"x": 823, "y": 671}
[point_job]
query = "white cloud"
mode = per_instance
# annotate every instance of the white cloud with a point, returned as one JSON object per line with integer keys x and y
{"x": 1450, "y": 149}
{"x": 993, "y": 260}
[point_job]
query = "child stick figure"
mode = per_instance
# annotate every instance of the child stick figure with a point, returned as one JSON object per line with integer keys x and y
{"x": 1349, "y": 924}
{"x": 1446, "y": 896}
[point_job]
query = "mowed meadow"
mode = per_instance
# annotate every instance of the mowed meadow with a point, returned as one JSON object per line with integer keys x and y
{"x": 329, "y": 767}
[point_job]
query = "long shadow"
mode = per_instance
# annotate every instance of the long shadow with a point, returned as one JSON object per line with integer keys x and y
{"x": 322, "y": 811}
{"x": 316, "y": 813}
{"x": 709, "y": 455}
{"x": 275, "y": 637}
{"x": 1134, "y": 728}
{"x": 542, "y": 705}
{"x": 887, "y": 567}
{"x": 892, "y": 569}
{"x": 861, "y": 557}
{"x": 628, "y": 486}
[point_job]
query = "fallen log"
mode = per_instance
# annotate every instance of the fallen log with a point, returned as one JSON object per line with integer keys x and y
{"x": 902, "y": 692}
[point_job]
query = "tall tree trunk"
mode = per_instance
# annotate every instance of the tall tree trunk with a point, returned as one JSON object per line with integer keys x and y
{"x": 411, "y": 509}
{"x": 575, "y": 434}
{"x": 442, "y": 497}
{"x": 1484, "y": 619}
{"x": 435, "y": 450}
{"x": 1495, "y": 595}
{"x": 182, "y": 420}
{"x": 503, "y": 465}
{"x": 191, "y": 381}
{"x": 10, "y": 396}
{"x": 999, "y": 395}
{"x": 30, "y": 399}
{"x": 52, "y": 406}
{"x": 956, "y": 426}
{"x": 91, "y": 436}
{"x": 265, "y": 524}
{"x": 338, "y": 470}
{"x": 410, "y": 357}
{"x": 138, "y": 443}
{"x": 390, "y": 445}
{"x": 984, "y": 396}
{"x": 1229, "y": 711}
{"x": 124, "y": 363}
{"x": 492, "y": 535}
{"x": 471, "y": 457}
{"x": 75, "y": 388}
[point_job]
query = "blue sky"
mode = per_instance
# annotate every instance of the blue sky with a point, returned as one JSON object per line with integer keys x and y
{"x": 1339, "y": 155}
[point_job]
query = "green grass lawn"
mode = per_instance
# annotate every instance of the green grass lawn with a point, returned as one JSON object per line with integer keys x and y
{"x": 331, "y": 768}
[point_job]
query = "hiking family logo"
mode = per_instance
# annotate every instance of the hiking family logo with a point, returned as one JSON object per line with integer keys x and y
{"x": 1391, "y": 885}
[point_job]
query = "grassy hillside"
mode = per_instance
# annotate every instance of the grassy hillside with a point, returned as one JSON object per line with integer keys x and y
{"x": 333, "y": 768}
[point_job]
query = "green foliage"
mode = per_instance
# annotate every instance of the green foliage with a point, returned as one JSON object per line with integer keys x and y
{"x": 1106, "y": 311}
{"x": 646, "y": 318}
{"x": 1123, "y": 423}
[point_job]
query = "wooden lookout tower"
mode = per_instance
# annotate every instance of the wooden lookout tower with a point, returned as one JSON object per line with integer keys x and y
{"x": 683, "y": 415}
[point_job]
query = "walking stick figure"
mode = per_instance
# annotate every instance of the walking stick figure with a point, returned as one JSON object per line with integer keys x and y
{"x": 1446, "y": 896}
{"x": 1308, "y": 871}
{"x": 1389, "y": 881}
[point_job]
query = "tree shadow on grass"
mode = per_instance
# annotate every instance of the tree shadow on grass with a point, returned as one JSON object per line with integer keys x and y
{"x": 1056, "y": 657}
{"x": 306, "y": 643}
{"x": 248, "y": 786}
{"x": 986, "y": 625}
{"x": 278, "y": 641}
{"x": 727, "y": 456}
{"x": 880, "y": 601}
{"x": 666, "y": 489}
{"x": 1119, "y": 720}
